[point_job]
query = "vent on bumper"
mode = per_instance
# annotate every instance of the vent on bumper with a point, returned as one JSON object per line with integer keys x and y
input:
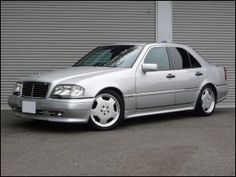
{"x": 35, "y": 89}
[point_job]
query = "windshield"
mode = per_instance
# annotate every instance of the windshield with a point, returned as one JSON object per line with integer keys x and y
{"x": 122, "y": 56}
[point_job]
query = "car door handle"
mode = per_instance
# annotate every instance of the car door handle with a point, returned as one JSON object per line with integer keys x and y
{"x": 170, "y": 76}
{"x": 198, "y": 74}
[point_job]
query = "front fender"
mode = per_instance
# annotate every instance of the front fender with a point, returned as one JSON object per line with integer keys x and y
{"x": 123, "y": 81}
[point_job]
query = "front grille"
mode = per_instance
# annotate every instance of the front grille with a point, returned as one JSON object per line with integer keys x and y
{"x": 35, "y": 89}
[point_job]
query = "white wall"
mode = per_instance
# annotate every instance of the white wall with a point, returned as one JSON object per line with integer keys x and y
{"x": 164, "y": 21}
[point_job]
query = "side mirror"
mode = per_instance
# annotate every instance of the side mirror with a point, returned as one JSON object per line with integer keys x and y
{"x": 149, "y": 67}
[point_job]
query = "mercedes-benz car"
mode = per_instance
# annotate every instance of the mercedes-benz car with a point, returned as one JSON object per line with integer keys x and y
{"x": 122, "y": 81}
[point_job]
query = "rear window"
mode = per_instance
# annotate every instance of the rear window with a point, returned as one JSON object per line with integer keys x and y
{"x": 194, "y": 62}
{"x": 180, "y": 59}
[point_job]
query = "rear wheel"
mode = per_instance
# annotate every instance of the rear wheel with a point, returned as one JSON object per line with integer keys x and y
{"x": 206, "y": 101}
{"x": 107, "y": 110}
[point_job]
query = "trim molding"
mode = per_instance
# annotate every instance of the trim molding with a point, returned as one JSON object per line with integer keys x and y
{"x": 221, "y": 85}
{"x": 161, "y": 92}
{"x": 165, "y": 106}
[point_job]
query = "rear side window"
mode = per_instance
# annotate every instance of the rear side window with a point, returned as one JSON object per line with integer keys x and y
{"x": 159, "y": 56}
{"x": 180, "y": 59}
{"x": 194, "y": 62}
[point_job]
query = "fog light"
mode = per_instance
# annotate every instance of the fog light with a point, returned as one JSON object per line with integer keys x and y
{"x": 56, "y": 114}
{"x": 59, "y": 114}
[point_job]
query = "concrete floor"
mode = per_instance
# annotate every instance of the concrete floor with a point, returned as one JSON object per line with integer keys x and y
{"x": 169, "y": 144}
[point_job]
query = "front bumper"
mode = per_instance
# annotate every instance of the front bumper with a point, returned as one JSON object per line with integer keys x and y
{"x": 71, "y": 110}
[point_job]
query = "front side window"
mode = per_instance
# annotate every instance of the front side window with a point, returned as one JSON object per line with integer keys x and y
{"x": 159, "y": 56}
{"x": 180, "y": 58}
{"x": 123, "y": 56}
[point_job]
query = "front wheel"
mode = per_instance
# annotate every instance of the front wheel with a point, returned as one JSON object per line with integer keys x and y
{"x": 206, "y": 101}
{"x": 107, "y": 110}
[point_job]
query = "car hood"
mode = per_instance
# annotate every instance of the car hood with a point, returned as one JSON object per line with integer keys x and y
{"x": 76, "y": 73}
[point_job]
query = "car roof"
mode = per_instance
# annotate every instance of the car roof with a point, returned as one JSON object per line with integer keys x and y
{"x": 125, "y": 43}
{"x": 145, "y": 44}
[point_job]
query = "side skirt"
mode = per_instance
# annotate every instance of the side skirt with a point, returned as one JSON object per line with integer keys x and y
{"x": 158, "y": 110}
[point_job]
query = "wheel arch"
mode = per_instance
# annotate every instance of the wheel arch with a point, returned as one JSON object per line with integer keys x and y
{"x": 118, "y": 91}
{"x": 213, "y": 86}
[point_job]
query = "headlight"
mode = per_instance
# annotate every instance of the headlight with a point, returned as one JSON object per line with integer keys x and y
{"x": 17, "y": 89}
{"x": 67, "y": 91}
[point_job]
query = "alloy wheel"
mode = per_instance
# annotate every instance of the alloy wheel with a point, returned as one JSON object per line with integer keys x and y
{"x": 105, "y": 110}
{"x": 208, "y": 100}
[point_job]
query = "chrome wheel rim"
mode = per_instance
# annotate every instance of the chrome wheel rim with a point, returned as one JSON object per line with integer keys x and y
{"x": 105, "y": 110}
{"x": 208, "y": 100}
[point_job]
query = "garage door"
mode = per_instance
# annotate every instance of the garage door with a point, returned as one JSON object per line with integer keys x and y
{"x": 208, "y": 27}
{"x": 43, "y": 36}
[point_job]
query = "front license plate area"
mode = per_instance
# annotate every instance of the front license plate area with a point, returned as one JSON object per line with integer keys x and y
{"x": 29, "y": 107}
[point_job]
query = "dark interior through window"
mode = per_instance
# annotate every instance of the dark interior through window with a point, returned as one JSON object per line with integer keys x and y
{"x": 194, "y": 62}
{"x": 180, "y": 59}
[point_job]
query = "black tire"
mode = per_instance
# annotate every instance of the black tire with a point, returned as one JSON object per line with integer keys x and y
{"x": 198, "y": 108}
{"x": 121, "y": 116}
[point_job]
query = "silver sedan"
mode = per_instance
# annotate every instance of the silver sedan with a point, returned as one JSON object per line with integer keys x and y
{"x": 121, "y": 81}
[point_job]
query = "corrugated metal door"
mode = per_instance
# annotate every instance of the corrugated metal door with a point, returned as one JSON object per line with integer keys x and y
{"x": 208, "y": 27}
{"x": 46, "y": 35}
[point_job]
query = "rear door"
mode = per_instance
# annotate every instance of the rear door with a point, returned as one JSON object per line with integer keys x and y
{"x": 188, "y": 73}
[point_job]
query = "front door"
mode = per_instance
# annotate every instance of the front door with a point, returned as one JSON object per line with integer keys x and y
{"x": 156, "y": 88}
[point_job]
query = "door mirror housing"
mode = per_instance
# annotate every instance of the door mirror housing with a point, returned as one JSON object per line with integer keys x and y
{"x": 149, "y": 67}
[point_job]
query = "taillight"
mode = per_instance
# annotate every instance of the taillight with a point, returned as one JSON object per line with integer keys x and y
{"x": 225, "y": 73}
